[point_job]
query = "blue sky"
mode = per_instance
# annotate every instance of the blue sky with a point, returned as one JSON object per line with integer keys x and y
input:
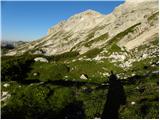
{"x": 30, "y": 20}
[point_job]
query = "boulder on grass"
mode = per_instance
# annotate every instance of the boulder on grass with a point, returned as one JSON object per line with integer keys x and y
{"x": 41, "y": 59}
{"x": 35, "y": 74}
{"x": 6, "y": 85}
{"x": 84, "y": 77}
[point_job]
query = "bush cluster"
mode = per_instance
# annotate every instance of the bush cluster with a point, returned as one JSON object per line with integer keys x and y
{"x": 41, "y": 102}
{"x": 15, "y": 68}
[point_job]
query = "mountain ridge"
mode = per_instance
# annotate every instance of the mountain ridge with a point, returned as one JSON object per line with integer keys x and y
{"x": 97, "y": 29}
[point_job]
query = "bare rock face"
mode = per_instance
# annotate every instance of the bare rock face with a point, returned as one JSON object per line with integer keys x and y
{"x": 130, "y": 25}
{"x": 139, "y": 1}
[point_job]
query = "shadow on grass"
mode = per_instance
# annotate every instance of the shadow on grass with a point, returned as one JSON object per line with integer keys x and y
{"x": 73, "y": 110}
{"x": 115, "y": 98}
{"x": 69, "y": 83}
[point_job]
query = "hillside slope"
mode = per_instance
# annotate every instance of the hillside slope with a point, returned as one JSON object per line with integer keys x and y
{"x": 130, "y": 25}
{"x": 87, "y": 66}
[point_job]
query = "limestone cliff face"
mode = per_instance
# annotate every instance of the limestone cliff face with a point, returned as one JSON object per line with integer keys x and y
{"x": 130, "y": 25}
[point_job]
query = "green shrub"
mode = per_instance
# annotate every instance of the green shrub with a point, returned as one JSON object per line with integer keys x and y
{"x": 61, "y": 97}
{"x": 27, "y": 102}
{"x": 15, "y": 68}
{"x": 37, "y": 102}
{"x": 93, "y": 102}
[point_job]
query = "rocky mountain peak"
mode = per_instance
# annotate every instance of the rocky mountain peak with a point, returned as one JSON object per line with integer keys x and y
{"x": 85, "y": 16}
{"x": 83, "y": 20}
{"x": 90, "y": 12}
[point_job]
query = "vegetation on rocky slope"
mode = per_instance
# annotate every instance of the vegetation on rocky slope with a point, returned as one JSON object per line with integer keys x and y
{"x": 38, "y": 89}
{"x": 106, "y": 81}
